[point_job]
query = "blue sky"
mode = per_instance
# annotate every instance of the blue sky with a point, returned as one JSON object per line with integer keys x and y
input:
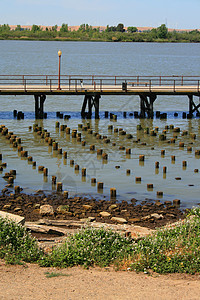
{"x": 174, "y": 13}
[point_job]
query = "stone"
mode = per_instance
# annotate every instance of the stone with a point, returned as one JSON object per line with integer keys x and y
{"x": 15, "y": 218}
{"x": 104, "y": 214}
{"x": 46, "y": 209}
{"x": 157, "y": 216}
{"x": 7, "y": 206}
{"x": 37, "y": 205}
{"x": 134, "y": 220}
{"x": 17, "y": 209}
{"x": 63, "y": 209}
{"x": 113, "y": 206}
{"x": 91, "y": 219}
{"x": 87, "y": 207}
{"x": 146, "y": 218}
{"x": 119, "y": 220}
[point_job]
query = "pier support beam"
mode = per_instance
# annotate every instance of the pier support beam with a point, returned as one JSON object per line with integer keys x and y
{"x": 90, "y": 101}
{"x": 39, "y": 106}
{"x": 193, "y": 106}
{"x": 146, "y": 105}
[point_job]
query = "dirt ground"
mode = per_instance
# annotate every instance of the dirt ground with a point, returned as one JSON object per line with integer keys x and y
{"x": 31, "y": 282}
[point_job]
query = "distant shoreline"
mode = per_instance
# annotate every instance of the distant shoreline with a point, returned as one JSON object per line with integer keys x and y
{"x": 57, "y": 39}
{"x": 88, "y": 33}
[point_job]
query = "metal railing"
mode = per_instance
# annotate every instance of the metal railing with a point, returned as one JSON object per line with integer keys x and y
{"x": 97, "y": 82}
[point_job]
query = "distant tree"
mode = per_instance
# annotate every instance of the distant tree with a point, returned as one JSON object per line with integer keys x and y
{"x": 162, "y": 31}
{"x": 54, "y": 28}
{"x": 120, "y": 27}
{"x": 64, "y": 28}
{"x": 18, "y": 28}
{"x": 35, "y": 28}
{"x": 81, "y": 27}
{"x": 111, "y": 28}
{"x": 4, "y": 27}
{"x": 132, "y": 29}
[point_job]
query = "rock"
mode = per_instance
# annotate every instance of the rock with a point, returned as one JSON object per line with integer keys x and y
{"x": 158, "y": 203}
{"x": 104, "y": 214}
{"x": 15, "y": 218}
{"x": 7, "y": 206}
{"x": 46, "y": 210}
{"x": 170, "y": 216}
{"x": 134, "y": 220}
{"x": 146, "y": 218}
{"x": 17, "y": 209}
{"x": 113, "y": 206}
{"x": 36, "y": 206}
{"x": 119, "y": 220}
{"x": 63, "y": 209}
{"x": 167, "y": 202}
{"x": 157, "y": 216}
{"x": 87, "y": 207}
{"x": 91, "y": 219}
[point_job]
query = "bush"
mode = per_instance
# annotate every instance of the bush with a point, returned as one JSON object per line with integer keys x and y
{"x": 172, "y": 250}
{"x": 16, "y": 244}
{"x": 90, "y": 247}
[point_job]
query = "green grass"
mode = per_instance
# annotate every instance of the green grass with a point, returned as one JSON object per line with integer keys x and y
{"x": 55, "y": 274}
{"x": 174, "y": 250}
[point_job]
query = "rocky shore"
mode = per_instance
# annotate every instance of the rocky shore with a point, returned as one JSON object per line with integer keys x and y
{"x": 57, "y": 206}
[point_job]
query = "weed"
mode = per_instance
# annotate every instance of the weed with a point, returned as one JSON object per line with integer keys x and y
{"x": 55, "y": 274}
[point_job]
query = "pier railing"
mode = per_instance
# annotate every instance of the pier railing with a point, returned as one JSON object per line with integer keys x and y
{"x": 98, "y": 83}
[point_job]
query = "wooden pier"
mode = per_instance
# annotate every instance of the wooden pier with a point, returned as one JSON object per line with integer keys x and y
{"x": 93, "y": 87}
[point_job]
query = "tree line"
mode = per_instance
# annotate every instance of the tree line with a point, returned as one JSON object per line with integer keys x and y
{"x": 89, "y": 33}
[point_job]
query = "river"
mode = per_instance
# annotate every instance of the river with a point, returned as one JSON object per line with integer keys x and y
{"x": 98, "y": 58}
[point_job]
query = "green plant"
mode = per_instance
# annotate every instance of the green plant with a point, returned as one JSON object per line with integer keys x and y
{"x": 16, "y": 244}
{"x": 89, "y": 247}
{"x": 171, "y": 250}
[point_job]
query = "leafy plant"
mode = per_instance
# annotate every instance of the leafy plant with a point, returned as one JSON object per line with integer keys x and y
{"x": 172, "y": 250}
{"x": 89, "y": 247}
{"x": 16, "y": 244}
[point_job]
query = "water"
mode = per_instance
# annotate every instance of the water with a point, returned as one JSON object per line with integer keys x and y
{"x": 30, "y": 57}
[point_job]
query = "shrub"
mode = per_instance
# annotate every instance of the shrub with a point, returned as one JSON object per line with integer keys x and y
{"x": 16, "y": 244}
{"x": 172, "y": 250}
{"x": 90, "y": 247}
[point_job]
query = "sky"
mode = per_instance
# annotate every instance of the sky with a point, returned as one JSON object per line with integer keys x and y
{"x": 178, "y": 14}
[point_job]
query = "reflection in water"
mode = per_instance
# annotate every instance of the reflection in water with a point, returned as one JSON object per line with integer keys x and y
{"x": 106, "y": 170}
{"x": 160, "y": 58}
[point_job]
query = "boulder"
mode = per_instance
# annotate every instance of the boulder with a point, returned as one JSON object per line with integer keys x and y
{"x": 104, "y": 214}
{"x": 119, "y": 220}
{"x": 87, "y": 207}
{"x": 46, "y": 209}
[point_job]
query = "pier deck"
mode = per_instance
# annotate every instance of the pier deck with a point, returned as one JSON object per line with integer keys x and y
{"x": 93, "y": 87}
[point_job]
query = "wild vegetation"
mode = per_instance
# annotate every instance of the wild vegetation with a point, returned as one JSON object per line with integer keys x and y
{"x": 172, "y": 250}
{"x": 89, "y": 33}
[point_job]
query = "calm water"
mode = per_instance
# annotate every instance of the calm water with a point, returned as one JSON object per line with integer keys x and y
{"x": 24, "y": 57}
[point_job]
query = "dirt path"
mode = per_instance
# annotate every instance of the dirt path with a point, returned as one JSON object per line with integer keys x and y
{"x": 19, "y": 282}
